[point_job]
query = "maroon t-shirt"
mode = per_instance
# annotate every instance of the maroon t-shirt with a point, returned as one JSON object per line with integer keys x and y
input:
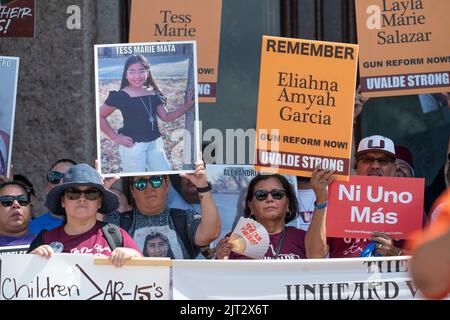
{"x": 90, "y": 242}
{"x": 292, "y": 248}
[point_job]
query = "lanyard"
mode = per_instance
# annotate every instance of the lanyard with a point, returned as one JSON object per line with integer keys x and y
{"x": 280, "y": 244}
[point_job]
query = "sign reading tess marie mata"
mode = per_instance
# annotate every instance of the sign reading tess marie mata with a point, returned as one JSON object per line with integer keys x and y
{"x": 169, "y": 20}
{"x": 147, "y": 108}
{"x": 305, "y": 106}
{"x": 9, "y": 73}
{"x": 404, "y": 46}
{"x": 363, "y": 205}
{"x": 17, "y": 18}
{"x": 76, "y": 277}
{"x": 317, "y": 279}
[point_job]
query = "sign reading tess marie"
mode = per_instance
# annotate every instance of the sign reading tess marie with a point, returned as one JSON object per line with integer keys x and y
{"x": 363, "y": 205}
{"x": 17, "y": 18}
{"x": 76, "y": 277}
{"x": 404, "y": 46}
{"x": 175, "y": 20}
{"x": 305, "y": 106}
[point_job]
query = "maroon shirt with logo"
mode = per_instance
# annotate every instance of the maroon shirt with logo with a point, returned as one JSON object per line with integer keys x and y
{"x": 90, "y": 242}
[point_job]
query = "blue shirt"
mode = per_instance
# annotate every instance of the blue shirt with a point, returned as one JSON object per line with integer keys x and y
{"x": 44, "y": 222}
{"x": 7, "y": 241}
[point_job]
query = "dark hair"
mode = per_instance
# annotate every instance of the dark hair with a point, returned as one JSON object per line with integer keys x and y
{"x": 138, "y": 58}
{"x": 17, "y": 183}
{"x": 290, "y": 194}
{"x": 155, "y": 235}
{"x": 63, "y": 161}
{"x": 25, "y": 182}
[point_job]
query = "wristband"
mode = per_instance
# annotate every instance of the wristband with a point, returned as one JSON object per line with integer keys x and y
{"x": 204, "y": 189}
{"x": 320, "y": 206}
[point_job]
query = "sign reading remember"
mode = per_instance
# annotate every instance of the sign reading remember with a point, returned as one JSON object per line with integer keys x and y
{"x": 363, "y": 205}
{"x": 305, "y": 106}
{"x": 404, "y": 47}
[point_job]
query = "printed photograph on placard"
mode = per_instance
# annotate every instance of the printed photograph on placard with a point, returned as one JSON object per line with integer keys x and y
{"x": 9, "y": 72}
{"x": 147, "y": 108}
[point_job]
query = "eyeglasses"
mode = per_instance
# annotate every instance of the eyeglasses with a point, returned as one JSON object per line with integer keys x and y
{"x": 155, "y": 181}
{"x": 89, "y": 194}
{"x": 262, "y": 195}
{"x": 54, "y": 177}
{"x": 7, "y": 201}
{"x": 381, "y": 161}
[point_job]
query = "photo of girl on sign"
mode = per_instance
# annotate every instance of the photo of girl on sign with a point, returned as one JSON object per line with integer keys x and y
{"x": 142, "y": 113}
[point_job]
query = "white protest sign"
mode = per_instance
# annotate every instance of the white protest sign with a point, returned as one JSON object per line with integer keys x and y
{"x": 76, "y": 277}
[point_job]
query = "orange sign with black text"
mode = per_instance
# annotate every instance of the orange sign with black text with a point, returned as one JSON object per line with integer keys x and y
{"x": 305, "y": 106}
{"x": 404, "y": 46}
{"x": 181, "y": 20}
{"x": 363, "y": 205}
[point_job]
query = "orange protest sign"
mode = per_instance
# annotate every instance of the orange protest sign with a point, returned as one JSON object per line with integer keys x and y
{"x": 404, "y": 46}
{"x": 305, "y": 106}
{"x": 175, "y": 20}
{"x": 363, "y": 205}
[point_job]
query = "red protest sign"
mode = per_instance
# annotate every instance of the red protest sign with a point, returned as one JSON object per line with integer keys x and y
{"x": 363, "y": 205}
{"x": 17, "y": 18}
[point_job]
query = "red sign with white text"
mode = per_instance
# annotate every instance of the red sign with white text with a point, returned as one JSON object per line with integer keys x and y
{"x": 363, "y": 205}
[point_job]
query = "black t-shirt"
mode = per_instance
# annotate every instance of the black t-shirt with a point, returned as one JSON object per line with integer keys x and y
{"x": 136, "y": 113}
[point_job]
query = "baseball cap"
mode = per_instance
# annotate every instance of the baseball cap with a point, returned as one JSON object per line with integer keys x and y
{"x": 376, "y": 143}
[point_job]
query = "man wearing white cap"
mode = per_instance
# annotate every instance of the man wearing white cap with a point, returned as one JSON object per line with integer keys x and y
{"x": 375, "y": 157}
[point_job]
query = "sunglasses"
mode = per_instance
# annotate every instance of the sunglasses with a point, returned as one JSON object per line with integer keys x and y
{"x": 276, "y": 194}
{"x": 155, "y": 181}
{"x": 7, "y": 201}
{"x": 89, "y": 194}
{"x": 54, "y": 177}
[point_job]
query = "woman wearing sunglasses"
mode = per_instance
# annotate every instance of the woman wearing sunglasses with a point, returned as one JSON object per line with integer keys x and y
{"x": 78, "y": 199}
{"x": 271, "y": 201}
{"x": 15, "y": 214}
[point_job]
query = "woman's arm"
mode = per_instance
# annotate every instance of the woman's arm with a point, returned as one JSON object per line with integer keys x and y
{"x": 316, "y": 236}
{"x": 169, "y": 116}
{"x": 209, "y": 228}
{"x": 105, "y": 111}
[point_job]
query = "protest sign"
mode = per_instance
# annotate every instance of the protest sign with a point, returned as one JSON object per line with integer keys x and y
{"x": 17, "y": 18}
{"x": 404, "y": 48}
{"x": 147, "y": 110}
{"x": 305, "y": 106}
{"x": 76, "y": 277}
{"x": 14, "y": 250}
{"x": 169, "y": 20}
{"x": 9, "y": 73}
{"x": 384, "y": 278}
{"x": 363, "y": 205}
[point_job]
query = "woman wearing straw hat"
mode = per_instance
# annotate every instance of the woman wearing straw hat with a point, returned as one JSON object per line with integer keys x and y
{"x": 78, "y": 199}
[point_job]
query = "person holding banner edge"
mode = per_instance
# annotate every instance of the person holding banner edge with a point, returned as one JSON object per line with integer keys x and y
{"x": 78, "y": 199}
{"x": 375, "y": 157}
{"x": 140, "y": 142}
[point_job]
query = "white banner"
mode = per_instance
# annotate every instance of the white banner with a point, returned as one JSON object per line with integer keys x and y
{"x": 315, "y": 279}
{"x": 77, "y": 277}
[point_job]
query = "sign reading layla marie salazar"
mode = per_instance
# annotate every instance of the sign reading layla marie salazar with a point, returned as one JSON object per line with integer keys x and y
{"x": 305, "y": 106}
{"x": 404, "y": 46}
{"x": 17, "y": 18}
{"x": 169, "y": 20}
{"x": 363, "y": 205}
{"x": 76, "y": 277}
